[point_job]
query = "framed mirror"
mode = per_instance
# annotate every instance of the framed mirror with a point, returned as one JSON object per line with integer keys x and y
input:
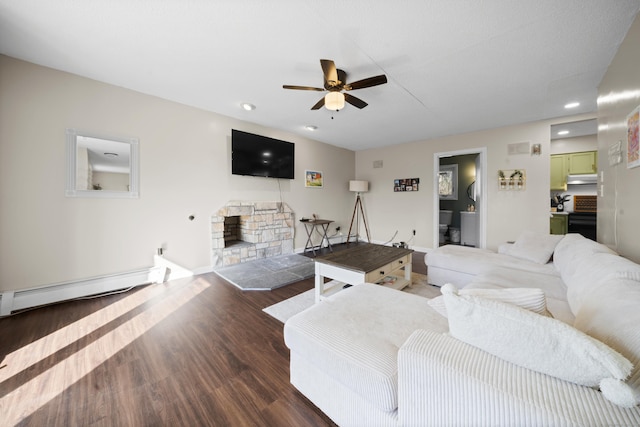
{"x": 102, "y": 167}
{"x": 448, "y": 182}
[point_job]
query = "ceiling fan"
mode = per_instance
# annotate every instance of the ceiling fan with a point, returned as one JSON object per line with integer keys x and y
{"x": 335, "y": 81}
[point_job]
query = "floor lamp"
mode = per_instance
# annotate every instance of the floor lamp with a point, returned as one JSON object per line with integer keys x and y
{"x": 358, "y": 187}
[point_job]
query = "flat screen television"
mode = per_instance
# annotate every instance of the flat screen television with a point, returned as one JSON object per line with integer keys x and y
{"x": 257, "y": 155}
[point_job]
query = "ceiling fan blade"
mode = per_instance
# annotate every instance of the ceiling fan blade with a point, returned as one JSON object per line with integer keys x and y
{"x": 319, "y": 104}
{"x": 356, "y": 102}
{"x": 302, "y": 88}
{"x": 371, "y": 81}
{"x": 330, "y": 73}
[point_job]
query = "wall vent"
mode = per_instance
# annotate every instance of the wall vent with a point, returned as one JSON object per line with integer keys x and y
{"x": 518, "y": 148}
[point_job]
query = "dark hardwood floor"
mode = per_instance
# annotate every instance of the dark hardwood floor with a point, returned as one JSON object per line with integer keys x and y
{"x": 196, "y": 352}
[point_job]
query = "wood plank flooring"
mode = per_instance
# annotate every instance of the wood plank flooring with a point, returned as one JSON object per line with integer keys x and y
{"x": 196, "y": 352}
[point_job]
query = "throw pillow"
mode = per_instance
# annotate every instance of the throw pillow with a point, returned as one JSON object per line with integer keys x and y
{"x": 535, "y": 342}
{"x": 532, "y": 299}
{"x": 535, "y": 247}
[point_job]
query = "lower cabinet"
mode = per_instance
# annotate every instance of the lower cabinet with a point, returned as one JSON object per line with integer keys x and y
{"x": 469, "y": 229}
{"x": 559, "y": 224}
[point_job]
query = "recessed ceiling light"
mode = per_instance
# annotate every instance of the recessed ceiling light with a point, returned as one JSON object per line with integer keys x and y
{"x": 572, "y": 105}
{"x": 247, "y": 106}
{"x": 311, "y": 127}
{"x": 563, "y": 132}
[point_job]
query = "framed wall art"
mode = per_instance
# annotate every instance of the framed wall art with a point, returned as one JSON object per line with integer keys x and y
{"x": 313, "y": 179}
{"x": 406, "y": 184}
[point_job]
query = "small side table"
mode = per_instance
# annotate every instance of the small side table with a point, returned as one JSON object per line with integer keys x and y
{"x": 310, "y": 227}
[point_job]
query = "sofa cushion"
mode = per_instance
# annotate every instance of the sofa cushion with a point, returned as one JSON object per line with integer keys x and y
{"x": 571, "y": 250}
{"x": 535, "y": 342}
{"x": 354, "y": 337}
{"x": 477, "y": 261}
{"x": 553, "y": 287}
{"x": 593, "y": 271}
{"x": 532, "y": 299}
{"x": 535, "y": 247}
{"x": 611, "y": 314}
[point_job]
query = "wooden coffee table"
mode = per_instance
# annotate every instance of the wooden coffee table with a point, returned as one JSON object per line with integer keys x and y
{"x": 385, "y": 265}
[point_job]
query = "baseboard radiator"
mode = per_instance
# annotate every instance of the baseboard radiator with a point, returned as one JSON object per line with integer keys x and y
{"x": 11, "y": 301}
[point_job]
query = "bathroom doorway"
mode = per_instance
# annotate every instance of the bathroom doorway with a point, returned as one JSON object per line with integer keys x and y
{"x": 468, "y": 188}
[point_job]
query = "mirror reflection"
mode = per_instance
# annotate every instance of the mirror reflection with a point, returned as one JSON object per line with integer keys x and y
{"x": 101, "y": 166}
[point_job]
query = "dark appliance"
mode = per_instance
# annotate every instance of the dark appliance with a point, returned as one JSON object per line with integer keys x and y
{"x": 257, "y": 155}
{"x": 584, "y": 217}
{"x": 583, "y": 223}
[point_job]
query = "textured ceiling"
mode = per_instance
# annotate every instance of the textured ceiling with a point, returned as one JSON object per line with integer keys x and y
{"x": 453, "y": 66}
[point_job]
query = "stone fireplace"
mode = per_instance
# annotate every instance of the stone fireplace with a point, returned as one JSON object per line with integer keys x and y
{"x": 245, "y": 231}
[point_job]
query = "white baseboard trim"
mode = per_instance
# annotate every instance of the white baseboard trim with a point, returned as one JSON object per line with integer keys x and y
{"x": 11, "y": 301}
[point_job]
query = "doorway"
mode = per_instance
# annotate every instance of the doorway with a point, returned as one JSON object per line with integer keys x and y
{"x": 472, "y": 194}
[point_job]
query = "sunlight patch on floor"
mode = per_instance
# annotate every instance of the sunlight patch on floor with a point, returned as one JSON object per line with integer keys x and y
{"x": 35, "y": 393}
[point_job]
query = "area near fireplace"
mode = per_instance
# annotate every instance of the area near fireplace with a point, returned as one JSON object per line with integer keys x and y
{"x": 248, "y": 230}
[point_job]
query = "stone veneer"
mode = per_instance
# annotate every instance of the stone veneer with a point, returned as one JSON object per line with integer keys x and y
{"x": 265, "y": 230}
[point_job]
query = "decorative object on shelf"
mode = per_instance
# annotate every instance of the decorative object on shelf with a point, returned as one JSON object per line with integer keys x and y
{"x": 558, "y": 201}
{"x": 313, "y": 179}
{"x": 406, "y": 184}
{"x": 502, "y": 180}
{"x": 633, "y": 138}
{"x": 512, "y": 179}
{"x": 358, "y": 187}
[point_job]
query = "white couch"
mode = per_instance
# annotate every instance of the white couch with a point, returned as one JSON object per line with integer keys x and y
{"x": 371, "y": 356}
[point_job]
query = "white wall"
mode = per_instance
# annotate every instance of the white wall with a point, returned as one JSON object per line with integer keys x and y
{"x": 47, "y": 238}
{"x": 111, "y": 181}
{"x": 509, "y": 212}
{"x": 574, "y": 145}
{"x": 618, "y": 95}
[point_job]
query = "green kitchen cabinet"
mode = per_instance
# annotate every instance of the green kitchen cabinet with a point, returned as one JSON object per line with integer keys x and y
{"x": 559, "y": 224}
{"x": 559, "y": 170}
{"x": 584, "y": 162}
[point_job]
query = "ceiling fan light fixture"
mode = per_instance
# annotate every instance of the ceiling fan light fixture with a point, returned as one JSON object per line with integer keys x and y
{"x": 334, "y": 101}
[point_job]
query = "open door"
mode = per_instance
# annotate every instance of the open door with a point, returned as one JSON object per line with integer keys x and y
{"x": 472, "y": 191}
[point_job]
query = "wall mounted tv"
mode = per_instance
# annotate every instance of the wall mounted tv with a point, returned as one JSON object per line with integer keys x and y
{"x": 257, "y": 155}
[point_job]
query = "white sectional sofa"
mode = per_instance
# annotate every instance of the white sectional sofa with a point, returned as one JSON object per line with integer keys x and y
{"x": 372, "y": 356}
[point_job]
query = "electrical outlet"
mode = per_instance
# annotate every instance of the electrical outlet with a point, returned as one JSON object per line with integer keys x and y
{"x": 414, "y": 232}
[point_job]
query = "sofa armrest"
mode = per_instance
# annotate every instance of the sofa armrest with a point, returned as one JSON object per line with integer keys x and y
{"x": 444, "y": 381}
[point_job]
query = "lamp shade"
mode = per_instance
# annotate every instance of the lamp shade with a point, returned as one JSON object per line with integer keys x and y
{"x": 334, "y": 101}
{"x": 359, "y": 186}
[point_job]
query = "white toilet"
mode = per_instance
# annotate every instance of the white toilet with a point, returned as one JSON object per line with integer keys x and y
{"x": 445, "y": 222}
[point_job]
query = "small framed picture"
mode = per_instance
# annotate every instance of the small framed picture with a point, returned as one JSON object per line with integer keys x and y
{"x": 406, "y": 184}
{"x": 313, "y": 179}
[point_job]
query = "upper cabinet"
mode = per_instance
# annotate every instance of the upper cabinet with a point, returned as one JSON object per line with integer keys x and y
{"x": 584, "y": 162}
{"x": 559, "y": 170}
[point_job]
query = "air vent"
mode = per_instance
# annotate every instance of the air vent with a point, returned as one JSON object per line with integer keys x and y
{"x": 518, "y": 148}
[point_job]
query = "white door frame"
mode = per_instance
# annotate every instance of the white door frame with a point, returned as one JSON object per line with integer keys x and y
{"x": 480, "y": 176}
